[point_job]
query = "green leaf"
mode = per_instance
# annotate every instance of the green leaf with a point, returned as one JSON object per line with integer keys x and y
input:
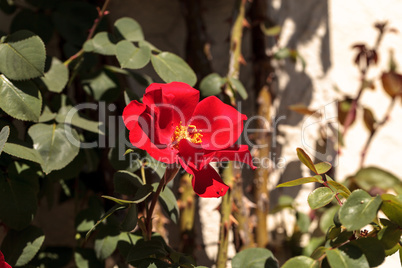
{"x": 126, "y": 183}
{"x": 392, "y": 207}
{"x": 370, "y": 177}
{"x": 306, "y": 160}
{"x": 58, "y": 145}
{"x": 359, "y": 210}
{"x": 106, "y": 241}
{"x": 130, "y": 220}
{"x": 390, "y": 234}
{"x": 212, "y": 84}
{"x": 70, "y": 115}
{"x": 238, "y": 87}
{"x": 21, "y": 100}
{"x": 300, "y": 181}
{"x": 313, "y": 244}
{"x": 82, "y": 226}
{"x": 103, "y": 86}
{"x": 23, "y": 152}
{"x": 318, "y": 252}
{"x": 130, "y": 56}
{"x": 86, "y": 258}
{"x": 254, "y": 258}
{"x": 340, "y": 188}
{"x": 129, "y": 29}
{"x": 322, "y": 167}
{"x": 168, "y": 202}
{"x": 320, "y": 197}
{"x": 102, "y": 43}
{"x": 327, "y": 217}
{"x": 372, "y": 248}
{"x": 4, "y": 133}
{"x": 282, "y": 53}
{"x": 18, "y": 196}
{"x": 20, "y": 247}
{"x": 303, "y": 221}
{"x": 301, "y": 262}
{"x": 47, "y": 115}
{"x": 56, "y": 77}
{"x": 22, "y": 56}
{"x": 171, "y": 67}
{"x": 143, "y": 249}
{"x": 347, "y": 257}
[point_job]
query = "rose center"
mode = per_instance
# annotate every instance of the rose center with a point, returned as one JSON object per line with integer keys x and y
{"x": 189, "y": 133}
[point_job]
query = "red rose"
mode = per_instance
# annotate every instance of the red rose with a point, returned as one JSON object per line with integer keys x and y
{"x": 174, "y": 127}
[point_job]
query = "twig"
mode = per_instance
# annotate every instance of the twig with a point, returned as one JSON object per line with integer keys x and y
{"x": 374, "y": 131}
{"x": 101, "y": 13}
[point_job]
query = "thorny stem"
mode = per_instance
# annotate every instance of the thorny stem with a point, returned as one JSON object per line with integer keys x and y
{"x": 234, "y": 67}
{"x": 101, "y": 14}
{"x": 374, "y": 131}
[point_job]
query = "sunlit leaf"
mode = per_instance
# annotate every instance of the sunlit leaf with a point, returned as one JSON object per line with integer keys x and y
{"x": 69, "y": 115}
{"x": 342, "y": 189}
{"x": 58, "y": 145}
{"x": 20, "y": 99}
{"x": 300, "y": 181}
{"x": 212, "y": 84}
{"x": 23, "y": 152}
{"x": 370, "y": 177}
{"x": 171, "y": 67}
{"x": 306, "y": 160}
{"x": 4, "y": 133}
{"x": 56, "y": 77}
{"x": 131, "y": 56}
{"x": 347, "y": 257}
{"x": 22, "y": 56}
{"x": 359, "y": 210}
{"x": 320, "y": 197}
{"x": 238, "y": 87}
{"x": 129, "y": 29}
{"x": 102, "y": 43}
{"x": 322, "y": 167}
{"x": 301, "y": 262}
{"x": 254, "y": 258}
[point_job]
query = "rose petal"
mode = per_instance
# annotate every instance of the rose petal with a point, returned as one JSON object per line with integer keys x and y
{"x": 131, "y": 113}
{"x": 175, "y": 102}
{"x": 238, "y": 153}
{"x": 161, "y": 153}
{"x": 207, "y": 182}
{"x": 221, "y": 124}
{"x": 3, "y": 263}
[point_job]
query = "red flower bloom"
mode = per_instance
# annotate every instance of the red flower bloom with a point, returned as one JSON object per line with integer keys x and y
{"x": 174, "y": 127}
{"x": 3, "y": 263}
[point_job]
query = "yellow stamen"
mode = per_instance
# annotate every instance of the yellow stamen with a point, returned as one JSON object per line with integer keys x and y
{"x": 189, "y": 133}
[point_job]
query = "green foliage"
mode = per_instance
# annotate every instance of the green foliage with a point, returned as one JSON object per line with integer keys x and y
{"x": 347, "y": 244}
{"x": 254, "y": 258}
